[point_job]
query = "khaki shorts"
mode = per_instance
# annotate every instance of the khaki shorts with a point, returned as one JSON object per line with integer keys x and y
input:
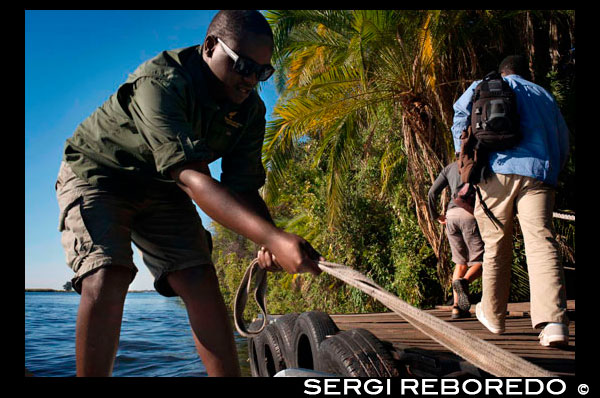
{"x": 98, "y": 227}
{"x": 464, "y": 238}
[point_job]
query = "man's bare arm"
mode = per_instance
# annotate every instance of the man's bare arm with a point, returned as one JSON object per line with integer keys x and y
{"x": 293, "y": 253}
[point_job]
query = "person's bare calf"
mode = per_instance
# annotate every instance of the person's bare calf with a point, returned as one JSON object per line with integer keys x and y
{"x": 99, "y": 320}
{"x": 198, "y": 287}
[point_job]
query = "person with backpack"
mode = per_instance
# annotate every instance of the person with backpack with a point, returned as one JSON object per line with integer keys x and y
{"x": 463, "y": 236}
{"x": 133, "y": 170}
{"x": 514, "y": 142}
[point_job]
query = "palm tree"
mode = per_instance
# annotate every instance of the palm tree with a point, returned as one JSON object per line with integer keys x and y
{"x": 341, "y": 72}
{"x": 342, "y": 68}
{"x": 326, "y": 97}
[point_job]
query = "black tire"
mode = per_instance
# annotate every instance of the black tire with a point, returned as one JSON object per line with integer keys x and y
{"x": 285, "y": 328}
{"x": 270, "y": 353}
{"x": 356, "y": 353}
{"x": 310, "y": 330}
{"x": 254, "y": 344}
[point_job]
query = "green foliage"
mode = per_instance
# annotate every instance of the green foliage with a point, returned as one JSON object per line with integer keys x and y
{"x": 379, "y": 237}
{"x": 562, "y": 87}
{"x": 416, "y": 279}
{"x": 232, "y": 254}
{"x": 519, "y": 287}
{"x": 361, "y": 127}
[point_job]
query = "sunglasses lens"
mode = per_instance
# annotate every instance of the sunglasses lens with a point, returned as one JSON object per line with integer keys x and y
{"x": 246, "y": 67}
{"x": 265, "y": 72}
{"x": 242, "y": 67}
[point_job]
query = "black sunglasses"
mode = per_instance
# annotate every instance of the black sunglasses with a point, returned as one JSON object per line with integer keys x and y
{"x": 245, "y": 66}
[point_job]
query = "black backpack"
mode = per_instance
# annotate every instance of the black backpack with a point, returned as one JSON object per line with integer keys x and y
{"x": 494, "y": 117}
{"x": 494, "y": 127}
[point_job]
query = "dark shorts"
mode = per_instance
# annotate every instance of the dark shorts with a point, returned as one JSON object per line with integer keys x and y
{"x": 99, "y": 226}
{"x": 464, "y": 238}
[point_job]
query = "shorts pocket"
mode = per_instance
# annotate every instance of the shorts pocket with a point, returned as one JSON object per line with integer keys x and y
{"x": 451, "y": 227}
{"x": 75, "y": 238}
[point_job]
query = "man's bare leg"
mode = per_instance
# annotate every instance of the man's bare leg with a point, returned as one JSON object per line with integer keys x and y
{"x": 199, "y": 289}
{"x": 99, "y": 320}
{"x": 473, "y": 273}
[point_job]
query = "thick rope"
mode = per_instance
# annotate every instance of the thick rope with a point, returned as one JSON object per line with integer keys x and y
{"x": 484, "y": 355}
{"x": 241, "y": 298}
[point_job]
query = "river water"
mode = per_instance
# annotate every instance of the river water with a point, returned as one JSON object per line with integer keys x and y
{"x": 156, "y": 339}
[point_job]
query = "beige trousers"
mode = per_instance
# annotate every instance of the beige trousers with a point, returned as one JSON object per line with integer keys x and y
{"x": 533, "y": 202}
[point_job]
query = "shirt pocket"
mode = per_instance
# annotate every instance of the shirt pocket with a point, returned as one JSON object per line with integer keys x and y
{"x": 224, "y": 133}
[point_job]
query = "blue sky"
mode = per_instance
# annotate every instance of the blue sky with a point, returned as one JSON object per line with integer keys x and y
{"x": 74, "y": 60}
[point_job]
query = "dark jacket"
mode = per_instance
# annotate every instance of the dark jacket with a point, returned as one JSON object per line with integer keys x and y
{"x": 448, "y": 177}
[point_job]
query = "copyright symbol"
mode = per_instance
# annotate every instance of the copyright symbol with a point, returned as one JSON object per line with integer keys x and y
{"x": 583, "y": 389}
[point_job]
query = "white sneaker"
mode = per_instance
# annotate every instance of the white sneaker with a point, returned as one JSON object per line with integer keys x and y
{"x": 481, "y": 318}
{"x": 554, "y": 334}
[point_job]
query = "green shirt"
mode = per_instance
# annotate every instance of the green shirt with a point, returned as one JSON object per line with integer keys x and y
{"x": 163, "y": 116}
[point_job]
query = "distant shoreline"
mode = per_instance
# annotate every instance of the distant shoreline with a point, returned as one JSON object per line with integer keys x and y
{"x": 73, "y": 291}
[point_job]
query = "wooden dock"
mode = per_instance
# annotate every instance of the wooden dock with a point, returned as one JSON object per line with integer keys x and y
{"x": 518, "y": 338}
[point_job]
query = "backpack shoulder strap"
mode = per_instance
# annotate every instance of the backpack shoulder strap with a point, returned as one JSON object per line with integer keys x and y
{"x": 492, "y": 75}
{"x": 497, "y": 223}
{"x": 484, "y": 84}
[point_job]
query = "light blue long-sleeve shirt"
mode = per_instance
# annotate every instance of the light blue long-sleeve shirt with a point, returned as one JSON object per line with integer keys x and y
{"x": 543, "y": 151}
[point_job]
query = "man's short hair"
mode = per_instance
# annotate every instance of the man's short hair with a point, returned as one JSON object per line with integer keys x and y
{"x": 232, "y": 25}
{"x": 514, "y": 64}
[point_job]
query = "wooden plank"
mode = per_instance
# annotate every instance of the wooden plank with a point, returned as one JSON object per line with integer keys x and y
{"x": 519, "y": 338}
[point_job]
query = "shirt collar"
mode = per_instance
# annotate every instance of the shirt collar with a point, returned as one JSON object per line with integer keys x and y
{"x": 200, "y": 71}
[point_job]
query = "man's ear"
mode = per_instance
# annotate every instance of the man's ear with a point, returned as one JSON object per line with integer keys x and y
{"x": 209, "y": 45}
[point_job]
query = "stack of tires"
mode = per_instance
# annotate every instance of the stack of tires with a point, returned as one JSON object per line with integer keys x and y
{"x": 312, "y": 340}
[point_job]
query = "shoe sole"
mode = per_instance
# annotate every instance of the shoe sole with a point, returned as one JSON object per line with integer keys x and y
{"x": 554, "y": 341}
{"x": 462, "y": 296}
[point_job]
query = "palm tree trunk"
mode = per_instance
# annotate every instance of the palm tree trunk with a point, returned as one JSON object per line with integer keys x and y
{"x": 554, "y": 44}
{"x": 530, "y": 42}
{"x": 423, "y": 165}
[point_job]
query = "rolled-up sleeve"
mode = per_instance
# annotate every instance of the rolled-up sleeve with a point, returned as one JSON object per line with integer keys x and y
{"x": 438, "y": 186}
{"x": 242, "y": 168}
{"x": 158, "y": 109}
{"x": 462, "y": 114}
